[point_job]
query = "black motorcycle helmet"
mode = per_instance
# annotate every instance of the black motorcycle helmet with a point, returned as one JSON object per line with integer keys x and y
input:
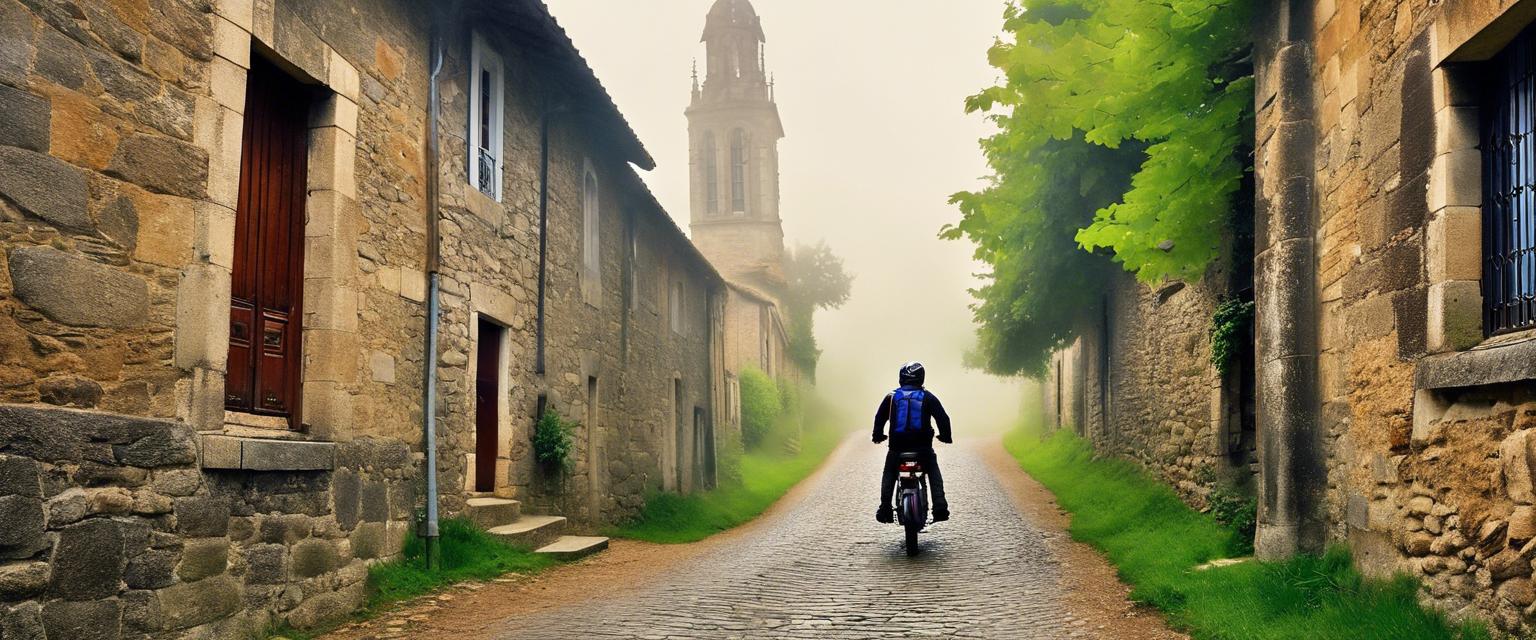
{"x": 912, "y": 374}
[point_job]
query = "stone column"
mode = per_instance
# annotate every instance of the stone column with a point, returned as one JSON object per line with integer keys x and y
{"x": 1291, "y": 476}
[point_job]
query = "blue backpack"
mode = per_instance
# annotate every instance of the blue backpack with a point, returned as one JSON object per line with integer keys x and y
{"x": 907, "y": 411}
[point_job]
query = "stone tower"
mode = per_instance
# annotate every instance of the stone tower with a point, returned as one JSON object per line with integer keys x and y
{"x": 733, "y": 134}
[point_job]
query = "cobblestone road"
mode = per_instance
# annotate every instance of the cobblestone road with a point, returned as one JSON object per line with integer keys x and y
{"x": 823, "y": 568}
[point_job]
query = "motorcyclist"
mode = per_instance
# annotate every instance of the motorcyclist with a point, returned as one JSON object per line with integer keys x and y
{"x": 918, "y": 441}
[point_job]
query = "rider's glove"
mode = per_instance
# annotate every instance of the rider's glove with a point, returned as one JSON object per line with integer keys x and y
{"x": 947, "y": 439}
{"x": 879, "y": 438}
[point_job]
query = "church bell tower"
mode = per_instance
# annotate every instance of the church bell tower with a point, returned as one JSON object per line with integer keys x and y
{"x": 733, "y": 134}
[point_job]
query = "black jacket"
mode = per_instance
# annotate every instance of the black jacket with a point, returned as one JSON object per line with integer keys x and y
{"x": 933, "y": 413}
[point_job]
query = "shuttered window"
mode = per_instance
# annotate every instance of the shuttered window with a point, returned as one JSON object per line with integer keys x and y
{"x": 1509, "y": 189}
{"x": 267, "y": 278}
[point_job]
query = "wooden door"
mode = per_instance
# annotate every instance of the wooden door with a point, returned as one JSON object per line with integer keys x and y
{"x": 487, "y": 404}
{"x": 267, "y": 279}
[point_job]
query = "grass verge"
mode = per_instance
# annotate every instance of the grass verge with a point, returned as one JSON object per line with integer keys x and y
{"x": 672, "y": 518}
{"x": 468, "y": 553}
{"x": 1155, "y": 540}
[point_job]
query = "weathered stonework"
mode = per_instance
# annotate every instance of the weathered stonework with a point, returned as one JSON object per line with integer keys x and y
{"x": 137, "y": 506}
{"x": 1140, "y": 385}
{"x": 1393, "y": 423}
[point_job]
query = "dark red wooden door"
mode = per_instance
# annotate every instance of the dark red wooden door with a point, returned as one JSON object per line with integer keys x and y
{"x": 267, "y": 281}
{"x": 487, "y": 404}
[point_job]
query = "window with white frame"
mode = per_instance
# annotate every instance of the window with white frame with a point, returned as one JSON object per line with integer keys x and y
{"x": 590, "y": 254}
{"x": 485, "y": 118}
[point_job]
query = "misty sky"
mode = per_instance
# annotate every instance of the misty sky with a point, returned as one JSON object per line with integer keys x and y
{"x": 870, "y": 92}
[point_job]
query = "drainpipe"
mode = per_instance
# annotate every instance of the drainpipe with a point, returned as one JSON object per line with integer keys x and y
{"x": 1292, "y": 476}
{"x": 538, "y": 360}
{"x": 429, "y": 358}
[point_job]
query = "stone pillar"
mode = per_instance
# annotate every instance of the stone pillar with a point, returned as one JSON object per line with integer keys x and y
{"x": 1292, "y": 475}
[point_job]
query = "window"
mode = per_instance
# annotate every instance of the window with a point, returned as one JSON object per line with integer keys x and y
{"x": 485, "y": 114}
{"x": 1509, "y": 189}
{"x": 679, "y": 322}
{"x": 738, "y": 171}
{"x": 267, "y": 276}
{"x": 591, "y": 258}
{"x": 711, "y": 175}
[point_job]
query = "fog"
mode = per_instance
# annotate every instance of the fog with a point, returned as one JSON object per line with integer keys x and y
{"x": 871, "y": 95}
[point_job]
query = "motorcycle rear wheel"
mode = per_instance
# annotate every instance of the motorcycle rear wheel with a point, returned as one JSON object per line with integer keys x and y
{"x": 912, "y": 540}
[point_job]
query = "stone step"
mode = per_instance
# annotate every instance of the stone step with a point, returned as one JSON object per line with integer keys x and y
{"x": 530, "y": 531}
{"x": 488, "y": 513}
{"x": 573, "y": 547}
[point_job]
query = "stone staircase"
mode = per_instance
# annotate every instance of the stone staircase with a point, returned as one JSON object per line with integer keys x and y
{"x": 504, "y": 518}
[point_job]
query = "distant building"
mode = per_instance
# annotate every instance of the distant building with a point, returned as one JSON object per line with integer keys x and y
{"x": 733, "y": 138}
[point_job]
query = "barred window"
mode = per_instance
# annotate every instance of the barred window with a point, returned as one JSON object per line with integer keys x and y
{"x": 1509, "y": 189}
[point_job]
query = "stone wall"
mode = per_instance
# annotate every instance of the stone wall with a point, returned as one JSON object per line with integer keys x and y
{"x": 142, "y": 509}
{"x": 1424, "y": 437}
{"x": 1389, "y": 421}
{"x": 1139, "y": 384}
{"x": 137, "y": 506}
{"x": 113, "y": 531}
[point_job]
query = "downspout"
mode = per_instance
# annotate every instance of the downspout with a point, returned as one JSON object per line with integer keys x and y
{"x": 539, "y": 348}
{"x": 1292, "y": 476}
{"x": 429, "y": 357}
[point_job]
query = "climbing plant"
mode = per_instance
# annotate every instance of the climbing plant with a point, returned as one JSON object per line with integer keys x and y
{"x": 552, "y": 440}
{"x": 761, "y": 406}
{"x": 1229, "y": 328}
{"x": 1157, "y": 97}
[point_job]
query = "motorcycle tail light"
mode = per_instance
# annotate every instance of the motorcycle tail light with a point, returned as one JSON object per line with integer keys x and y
{"x": 908, "y": 466}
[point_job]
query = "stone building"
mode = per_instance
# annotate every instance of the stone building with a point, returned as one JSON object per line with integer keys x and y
{"x": 179, "y": 178}
{"x": 733, "y": 137}
{"x": 1395, "y": 277}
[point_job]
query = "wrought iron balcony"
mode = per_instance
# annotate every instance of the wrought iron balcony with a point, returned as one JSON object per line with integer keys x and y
{"x": 486, "y": 181}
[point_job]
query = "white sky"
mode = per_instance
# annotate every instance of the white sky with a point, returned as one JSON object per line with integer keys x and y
{"x": 871, "y": 94}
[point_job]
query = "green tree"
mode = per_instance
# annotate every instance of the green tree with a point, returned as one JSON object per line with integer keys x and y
{"x": 1139, "y": 112}
{"x": 1042, "y": 286}
{"x": 815, "y": 279}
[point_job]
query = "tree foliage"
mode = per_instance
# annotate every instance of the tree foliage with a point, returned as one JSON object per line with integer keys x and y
{"x": 1042, "y": 285}
{"x": 1121, "y": 129}
{"x": 815, "y": 280}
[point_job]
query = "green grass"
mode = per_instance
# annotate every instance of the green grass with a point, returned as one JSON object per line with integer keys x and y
{"x": 467, "y": 554}
{"x": 1154, "y": 540}
{"x": 672, "y": 518}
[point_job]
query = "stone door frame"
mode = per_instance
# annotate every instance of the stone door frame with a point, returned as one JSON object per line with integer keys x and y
{"x": 331, "y": 349}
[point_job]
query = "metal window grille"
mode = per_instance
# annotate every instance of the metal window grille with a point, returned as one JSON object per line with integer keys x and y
{"x": 1509, "y": 189}
{"x": 486, "y": 181}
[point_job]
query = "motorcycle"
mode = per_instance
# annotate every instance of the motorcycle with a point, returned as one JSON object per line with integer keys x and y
{"x": 911, "y": 499}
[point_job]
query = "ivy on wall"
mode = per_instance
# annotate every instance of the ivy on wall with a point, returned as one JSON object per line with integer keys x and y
{"x": 1229, "y": 329}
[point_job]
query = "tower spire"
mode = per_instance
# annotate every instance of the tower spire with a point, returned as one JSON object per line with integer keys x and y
{"x": 733, "y": 132}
